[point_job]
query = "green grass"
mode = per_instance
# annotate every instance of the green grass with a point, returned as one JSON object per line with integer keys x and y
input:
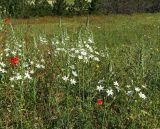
{"x": 128, "y": 50}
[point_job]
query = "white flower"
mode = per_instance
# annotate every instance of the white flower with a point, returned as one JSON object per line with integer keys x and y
{"x": 141, "y": 95}
{"x": 3, "y": 71}
{"x": 90, "y": 40}
{"x": 109, "y": 92}
{"x": 27, "y": 75}
{"x": 11, "y": 78}
{"x": 76, "y": 51}
{"x": 12, "y": 86}
{"x": 25, "y": 65}
{"x": 100, "y": 81}
{"x": 38, "y": 66}
{"x": 14, "y": 53}
{"x": 31, "y": 71}
{"x": 83, "y": 53}
{"x": 96, "y": 52}
{"x": 42, "y": 60}
{"x": 73, "y": 81}
{"x": 65, "y": 78}
{"x": 18, "y": 77}
{"x": 80, "y": 57}
{"x": 137, "y": 89}
{"x": 118, "y": 89}
{"x": 129, "y": 93}
{"x": 7, "y": 49}
{"x": 74, "y": 73}
{"x": 99, "y": 88}
{"x": 91, "y": 56}
{"x": 32, "y": 62}
{"x": 42, "y": 66}
{"x": 128, "y": 86}
{"x": 144, "y": 86}
{"x": 116, "y": 83}
{"x": 72, "y": 67}
{"x": 96, "y": 59}
{"x": 2, "y": 64}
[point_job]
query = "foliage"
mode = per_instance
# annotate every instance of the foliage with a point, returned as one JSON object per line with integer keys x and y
{"x": 29, "y": 8}
{"x": 59, "y": 7}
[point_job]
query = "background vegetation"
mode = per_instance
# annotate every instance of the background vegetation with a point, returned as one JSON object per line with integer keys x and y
{"x": 31, "y": 8}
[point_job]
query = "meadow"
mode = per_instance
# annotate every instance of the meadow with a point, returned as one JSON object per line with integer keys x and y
{"x": 96, "y": 72}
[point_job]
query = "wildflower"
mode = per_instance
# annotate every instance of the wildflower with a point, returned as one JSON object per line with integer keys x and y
{"x": 42, "y": 60}
{"x": 141, "y": 95}
{"x": 7, "y": 49}
{"x": 137, "y": 89}
{"x": 99, "y": 88}
{"x": 14, "y": 53}
{"x": 2, "y": 70}
{"x": 90, "y": 40}
{"x": 11, "y": 78}
{"x": 128, "y": 86}
{"x": 144, "y": 86}
{"x": 96, "y": 59}
{"x": 116, "y": 86}
{"x": 14, "y": 60}
{"x": 42, "y": 66}
{"x": 27, "y": 75}
{"x": 100, "y": 81}
{"x": 38, "y": 66}
{"x": 72, "y": 67}
{"x": 65, "y": 78}
{"x": 31, "y": 72}
{"x": 116, "y": 83}
{"x": 83, "y": 53}
{"x": 18, "y": 77}
{"x": 76, "y": 51}
{"x": 80, "y": 57}
{"x": 109, "y": 92}
{"x": 2, "y": 64}
{"x": 129, "y": 93}
{"x": 32, "y": 62}
{"x": 99, "y": 101}
{"x": 73, "y": 81}
{"x": 74, "y": 73}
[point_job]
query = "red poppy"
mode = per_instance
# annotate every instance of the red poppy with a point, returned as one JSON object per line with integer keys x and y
{"x": 13, "y": 60}
{"x": 99, "y": 101}
{"x": 7, "y": 21}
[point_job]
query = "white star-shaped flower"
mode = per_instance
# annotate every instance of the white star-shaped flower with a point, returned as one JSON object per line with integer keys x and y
{"x": 11, "y": 78}
{"x": 141, "y": 95}
{"x": 80, "y": 57}
{"x": 110, "y": 92}
{"x": 83, "y": 53}
{"x": 99, "y": 88}
{"x": 2, "y": 64}
{"x": 73, "y": 81}
{"x": 74, "y": 73}
{"x": 116, "y": 83}
{"x": 137, "y": 89}
{"x": 65, "y": 78}
{"x": 18, "y": 77}
{"x": 27, "y": 76}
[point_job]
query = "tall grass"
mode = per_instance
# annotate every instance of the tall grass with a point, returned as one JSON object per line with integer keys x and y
{"x": 97, "y": 75}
